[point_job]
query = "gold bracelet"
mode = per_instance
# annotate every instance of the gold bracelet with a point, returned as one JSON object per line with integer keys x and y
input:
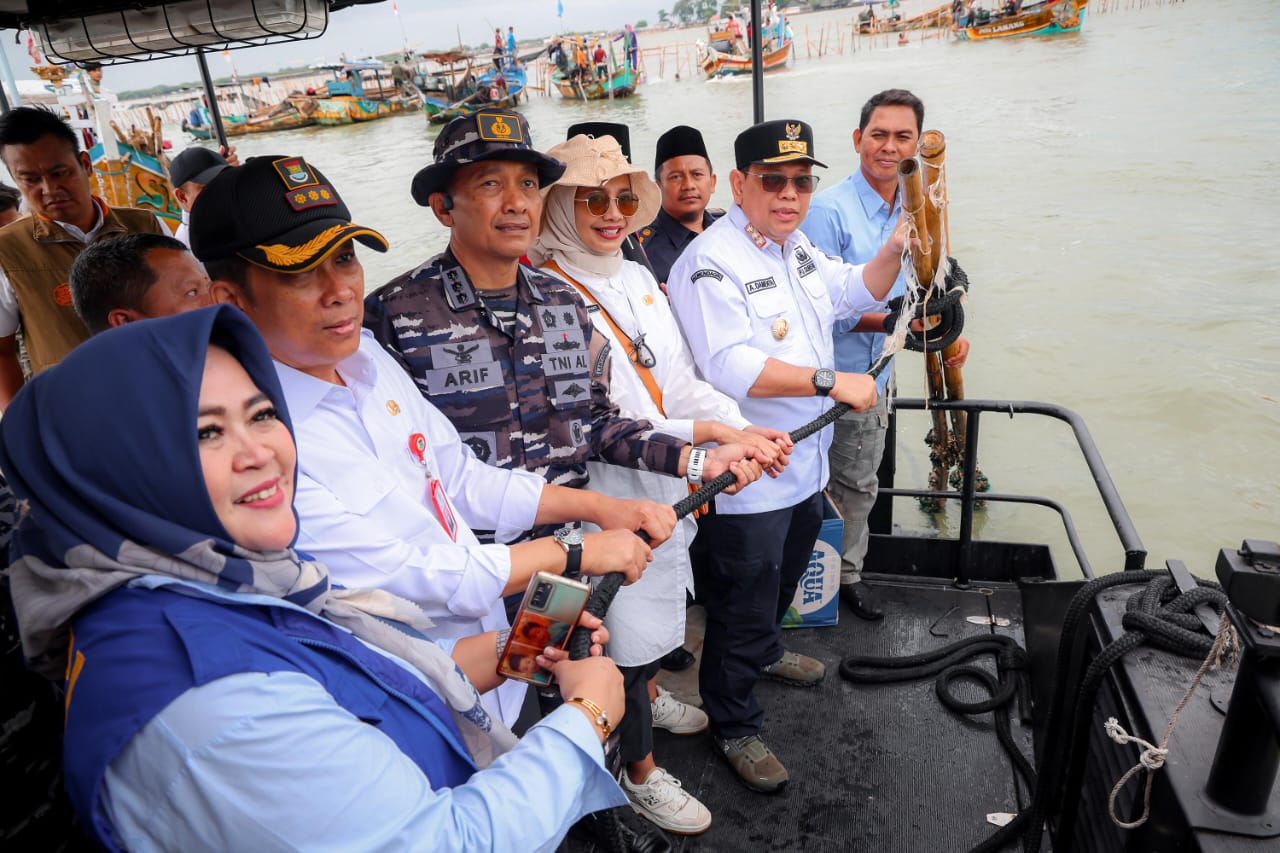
{"x": 599, "y": 715}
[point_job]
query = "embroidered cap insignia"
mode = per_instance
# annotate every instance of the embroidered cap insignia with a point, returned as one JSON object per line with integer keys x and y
{"x": 493, "y": 127}
{"x": 295, "y": 173}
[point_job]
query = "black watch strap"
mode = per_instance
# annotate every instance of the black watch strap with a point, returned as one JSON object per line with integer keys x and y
{"x": 573, "y": 560}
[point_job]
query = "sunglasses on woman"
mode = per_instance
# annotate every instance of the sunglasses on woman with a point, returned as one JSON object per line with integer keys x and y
{"x": 776, "y": 183}
{"x": 598, "y": 203}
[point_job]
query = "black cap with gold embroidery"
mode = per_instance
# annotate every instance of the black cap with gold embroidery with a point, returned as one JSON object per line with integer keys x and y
{"x": 278, "y": 213}
{"x": 785, "y": 141}
{"x": 484, "y": 135}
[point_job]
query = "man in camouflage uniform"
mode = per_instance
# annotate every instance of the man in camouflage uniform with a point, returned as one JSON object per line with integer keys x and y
{"x": 507, "y": 353}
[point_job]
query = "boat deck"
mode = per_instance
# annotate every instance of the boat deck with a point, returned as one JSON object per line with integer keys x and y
{"x": 881, "y": 767}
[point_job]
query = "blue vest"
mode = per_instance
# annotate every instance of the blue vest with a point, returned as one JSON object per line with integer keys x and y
{"x": 136, "y": 650}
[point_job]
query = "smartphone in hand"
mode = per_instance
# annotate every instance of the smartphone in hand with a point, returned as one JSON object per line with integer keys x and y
{"x": 550, "y": 609}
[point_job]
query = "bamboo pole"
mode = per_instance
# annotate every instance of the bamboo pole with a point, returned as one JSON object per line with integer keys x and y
{"x": 914, "y": 202}
{"x": 933, "y": 154}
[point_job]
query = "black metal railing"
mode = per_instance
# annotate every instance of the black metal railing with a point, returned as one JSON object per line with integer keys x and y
{"x": 1135, "y": 552}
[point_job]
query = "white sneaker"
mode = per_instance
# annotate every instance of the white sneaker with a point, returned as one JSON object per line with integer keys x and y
{"x": 663, "y": 801}
{"x": 677, "y": 717}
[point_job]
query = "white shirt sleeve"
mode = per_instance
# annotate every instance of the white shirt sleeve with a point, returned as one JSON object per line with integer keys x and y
{"x": 270, "y": 763}
{"x": 9, "y": 316}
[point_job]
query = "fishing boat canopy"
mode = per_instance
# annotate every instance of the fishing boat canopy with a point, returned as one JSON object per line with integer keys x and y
{"x": 110, "y": 31}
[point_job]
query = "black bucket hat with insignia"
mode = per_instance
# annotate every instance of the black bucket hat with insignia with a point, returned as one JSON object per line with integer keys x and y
{"x": 782, "y": 141}
{"x": 279, "y": 213}
{"x": 485, "y": 135}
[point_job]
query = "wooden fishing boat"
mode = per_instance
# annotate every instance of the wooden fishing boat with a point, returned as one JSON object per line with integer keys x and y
{"x": 715, "y": 63}
{"x": 346, "y": 102}
{"x": 614, "y": 80}
{"x": 1049, "y": 18}
{"x": 232, "y": 125}
{"x": 472, "y": 93}
{"x": 620, "y": 84}
{"x": 127, "y": 176}
{"x": 286, "y": 115}
{"x": 725, "y": 54}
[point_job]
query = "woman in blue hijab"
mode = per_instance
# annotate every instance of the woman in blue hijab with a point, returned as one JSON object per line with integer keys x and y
{"x": 221, "y": 693}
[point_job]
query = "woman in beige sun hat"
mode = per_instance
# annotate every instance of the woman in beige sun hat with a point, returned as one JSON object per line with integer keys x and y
{"x": 586, "y": 215}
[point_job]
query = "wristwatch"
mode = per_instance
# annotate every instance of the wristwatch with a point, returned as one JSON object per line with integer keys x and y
{"x": 570, "y": 539}
{"x": 693, "y": 468}
{"x": 823, "y": 381}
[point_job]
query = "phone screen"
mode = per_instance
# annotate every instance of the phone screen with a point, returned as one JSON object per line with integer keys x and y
{"x": 550, "y": 609}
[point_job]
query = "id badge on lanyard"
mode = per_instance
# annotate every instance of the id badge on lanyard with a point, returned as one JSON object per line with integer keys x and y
{"x": 436, "y": 497}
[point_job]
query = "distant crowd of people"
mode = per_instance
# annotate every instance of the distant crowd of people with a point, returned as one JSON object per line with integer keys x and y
{"x": 581, "y": 61}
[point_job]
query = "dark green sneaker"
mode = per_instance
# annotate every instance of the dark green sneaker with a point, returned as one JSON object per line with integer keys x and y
{"x": 755, "y": 764}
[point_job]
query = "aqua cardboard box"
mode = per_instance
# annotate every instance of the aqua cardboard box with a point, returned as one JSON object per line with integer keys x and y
{"x": 817, "y": 599}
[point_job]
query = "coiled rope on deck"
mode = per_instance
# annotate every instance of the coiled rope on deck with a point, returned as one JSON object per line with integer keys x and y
{"x": 949, "y": 664}
{"x": 1157, "y": 615}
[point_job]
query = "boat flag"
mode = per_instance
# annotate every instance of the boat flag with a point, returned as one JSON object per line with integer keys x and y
{"x": 32, "y": 50}
{"x": 559, "y": 8}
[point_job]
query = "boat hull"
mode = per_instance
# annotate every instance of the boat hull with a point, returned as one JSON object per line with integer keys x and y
{"x": 331, "y": 112}
{"x": 622, "y": 84}
{"x": 718, "y": 64}
{"x": 135, "y": 179}
{"x": 1056, "y": 18}
{"x": 440, "y": 111}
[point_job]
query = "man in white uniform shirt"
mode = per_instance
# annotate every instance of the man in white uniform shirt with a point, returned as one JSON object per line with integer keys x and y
{"x": 387, "y": 491}
{"x": 757, "y": 302}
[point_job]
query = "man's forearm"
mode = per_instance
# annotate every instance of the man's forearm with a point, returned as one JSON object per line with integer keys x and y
{"x": 882, "y": 271}
{"x": 780, "y": 379}
{"x": 561, "y": 504}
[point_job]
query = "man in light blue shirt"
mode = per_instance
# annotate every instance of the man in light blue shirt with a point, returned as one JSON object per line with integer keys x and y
{"x": 852, "y": 220}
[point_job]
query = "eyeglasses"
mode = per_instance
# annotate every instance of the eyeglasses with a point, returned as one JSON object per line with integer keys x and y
{"x": 776, "y": 183}
{"x": 598, "y": 203}
{"x": 640, "y": 352}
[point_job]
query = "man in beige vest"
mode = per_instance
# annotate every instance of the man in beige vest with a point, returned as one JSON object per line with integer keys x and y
{"x": 36, "y": 252}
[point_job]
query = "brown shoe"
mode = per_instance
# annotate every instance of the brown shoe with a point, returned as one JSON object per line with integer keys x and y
{"x": 755, "y": 764}
{"x": 796, "y": 669}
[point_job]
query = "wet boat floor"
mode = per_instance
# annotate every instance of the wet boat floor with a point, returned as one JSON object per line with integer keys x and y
{"x": 872, "y": 767}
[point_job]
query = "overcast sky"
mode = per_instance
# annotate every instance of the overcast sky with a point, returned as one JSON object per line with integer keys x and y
{"x": 374, "y": 29}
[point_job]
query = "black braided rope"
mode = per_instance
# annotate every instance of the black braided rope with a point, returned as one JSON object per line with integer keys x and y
{"x": 1152, "y": 616}
{"x": 949, "y": 664}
